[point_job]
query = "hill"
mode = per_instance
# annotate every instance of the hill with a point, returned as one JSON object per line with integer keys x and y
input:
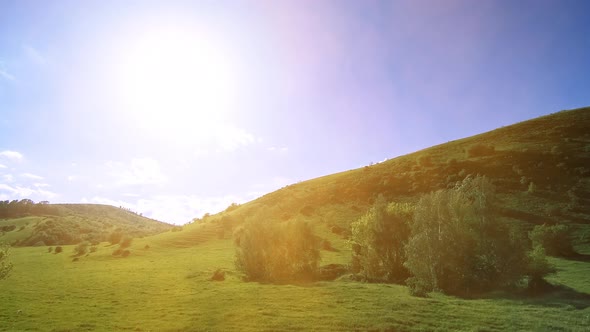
{"x": 540, "y": 167}
{"x": 28, "y": 224}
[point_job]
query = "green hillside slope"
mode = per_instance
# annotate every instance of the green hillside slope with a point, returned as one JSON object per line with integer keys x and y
{"x": 540, "y": 167}
{"x": 59, "y": 224}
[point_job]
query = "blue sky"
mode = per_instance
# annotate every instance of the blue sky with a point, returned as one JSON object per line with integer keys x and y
{"x": 177, "y": 108}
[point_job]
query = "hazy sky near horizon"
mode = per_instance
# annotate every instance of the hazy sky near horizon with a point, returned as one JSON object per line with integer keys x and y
{"x": 177, "y": 108}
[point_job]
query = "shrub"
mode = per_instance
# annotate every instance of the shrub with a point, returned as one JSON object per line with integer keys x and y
{"x": 125, "y": 242}
{"x": 81, "y": 248}
{"x": 532, "y": 188}
{"x": 480, "y": 150}
{"x": 538, "y": 267}
{"x": 125, "y": 253}
{"x": 58, "y": 249}
{"x": 273, "y": 251}
{"x": 50, "y": 249}
{"x": 93, "y": 249}
{"x": 115, "y": 237}
{"x": 5, "y": 264}
{"x": 378, "y": 240}
{"x": 218, "y": 275}
{"x": 456, "y": 244}
{"x": 555, "y": 240}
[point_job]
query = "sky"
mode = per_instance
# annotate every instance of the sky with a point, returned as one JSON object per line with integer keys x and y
{"x": 178, "y": 108}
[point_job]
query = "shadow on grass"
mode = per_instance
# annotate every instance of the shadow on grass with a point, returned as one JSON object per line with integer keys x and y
{"x": 577, "y": 257}
{"x": 545, "y": 294}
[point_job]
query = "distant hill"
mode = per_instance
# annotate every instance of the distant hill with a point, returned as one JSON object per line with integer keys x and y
{"x": 24, "y": 223}
{"x": 541, "y": 168}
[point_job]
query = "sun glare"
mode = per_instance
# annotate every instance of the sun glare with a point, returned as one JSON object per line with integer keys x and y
{"x": 171, "y": 78}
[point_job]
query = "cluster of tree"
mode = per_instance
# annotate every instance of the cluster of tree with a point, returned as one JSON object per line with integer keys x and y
{"x": 449, "y": 241}
{"x": 276, "y": 251}
{"x": 25, "y": 207}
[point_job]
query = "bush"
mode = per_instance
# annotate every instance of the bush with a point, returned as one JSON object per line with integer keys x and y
{"x": 457, "y": 246}
{"x": 269, "y": 251}
{"x": 378, "y": 241}
{"x": 58, "y": 249}
{"x": 115, "y": 237}
{"x": 93, "y": 249}
{"x": 5, "y": 264}
{"x": 555, "y": 240}
{"x": 125, "y": 242}
{"x": 81, "y": 248}
{"x": 538, "y": 267}
{"x": 50, "y": 249}
{"x": 218, "y": 275}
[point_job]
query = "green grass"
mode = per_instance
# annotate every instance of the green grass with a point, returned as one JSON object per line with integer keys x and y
{"x": 168, "y": 289}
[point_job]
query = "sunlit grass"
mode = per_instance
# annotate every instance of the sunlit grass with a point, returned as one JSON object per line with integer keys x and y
{"x": 168, "y": 289}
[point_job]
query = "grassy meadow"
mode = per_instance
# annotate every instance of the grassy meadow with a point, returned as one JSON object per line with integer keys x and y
{"x": 167, "y": 288}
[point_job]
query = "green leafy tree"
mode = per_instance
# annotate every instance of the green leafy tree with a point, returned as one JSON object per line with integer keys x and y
{"x": 276, "y": 251}
{"x": 458, "y": 246}
{"x": 378, "y": 240}
{"x": 5, "y": 264}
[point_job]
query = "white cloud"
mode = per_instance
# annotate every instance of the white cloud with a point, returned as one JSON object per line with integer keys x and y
{"x": 278, "y": 149}
{"x": 2, "y": 166}
{"x": 26, "y": 192}
{"x": 136, "y": 172}
{"x": 7, "y": 178}
{"x": 31, "y": 176}
{"x": 71, "y": 178}
{"x": 11, "y": 155}
{"x": 177, "y": 209}
{"x": 231, "y": 138}
{"x": 34, "y": 55}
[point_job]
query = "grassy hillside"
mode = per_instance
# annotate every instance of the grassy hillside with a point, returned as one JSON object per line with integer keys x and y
{"x": 550, "y": 155}
{"x": 165, "y": 283}
{"x": 73, "y": 223}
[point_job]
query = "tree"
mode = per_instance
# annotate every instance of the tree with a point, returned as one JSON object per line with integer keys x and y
{"x": 458, "y": 246}
{"x": 5, "y": 264}
{"x": 378, "y": 241}
{"x": 269, "y": 251}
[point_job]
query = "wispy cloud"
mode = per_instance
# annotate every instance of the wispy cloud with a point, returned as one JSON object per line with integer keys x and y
{"x": 138, "y": 171}
{"x": 11, "y": 155}
{"x": 231, "y": 138}
{"x": 26, "y": 192}
{"x": 31, "y": 176}
{"x": 3, "y": 166}
{"x": 178, "y": 209}
{"x": 7, "y": 178}
{"x": 34, "y": 55}
{"x": 278, "y": 149}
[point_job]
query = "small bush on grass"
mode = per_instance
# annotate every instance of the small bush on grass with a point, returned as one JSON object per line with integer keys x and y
{"x": 218, "y": 275}
{"x": 276, "y": 251}
{"x": 58, "y": 249}
{"x": 81, "y": 248}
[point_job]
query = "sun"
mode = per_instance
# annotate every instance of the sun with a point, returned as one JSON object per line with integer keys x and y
{"x": 171, "y": 77}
